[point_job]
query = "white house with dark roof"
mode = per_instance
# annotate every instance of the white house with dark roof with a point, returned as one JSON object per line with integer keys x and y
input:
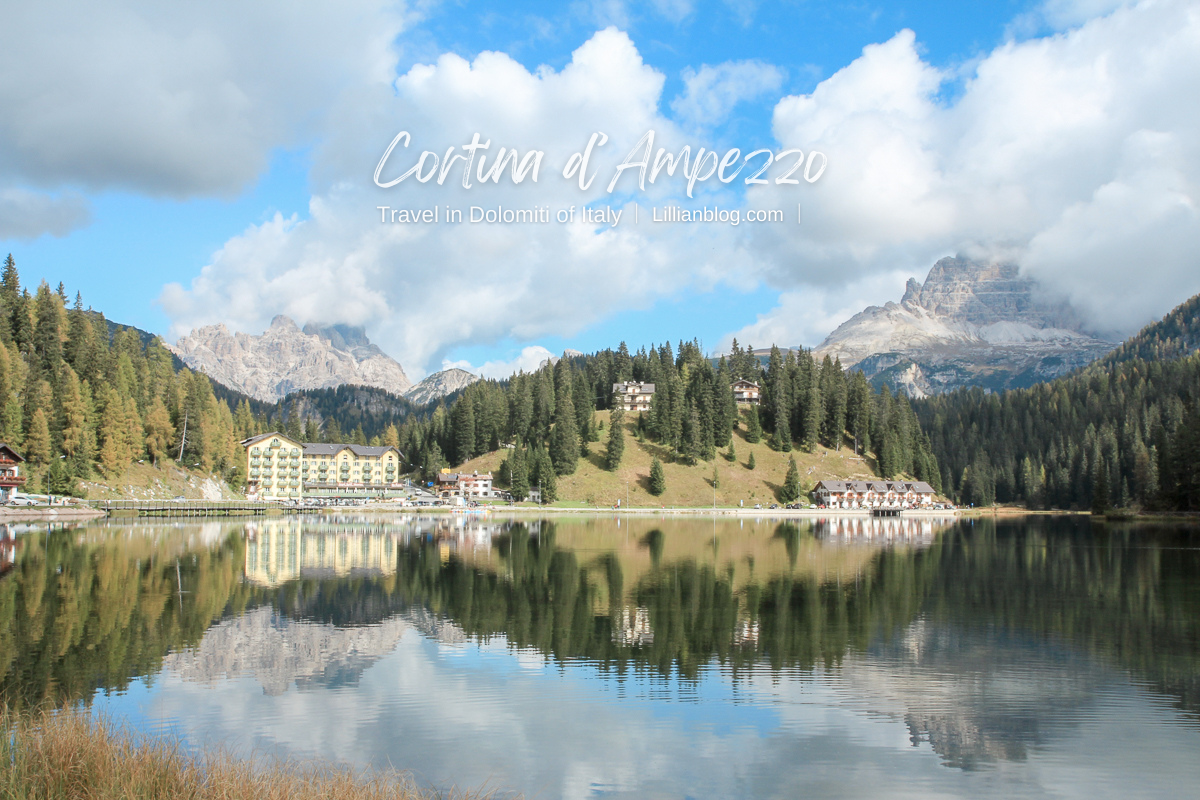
{"x": 634, "y": 396}
{"x": 745, "y": 391}
{"x": 467, "y": 485}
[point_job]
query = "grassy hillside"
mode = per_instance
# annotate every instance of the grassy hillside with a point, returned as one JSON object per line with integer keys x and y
{"x": 146, "y": 482}
{"x": 591, "y": 484}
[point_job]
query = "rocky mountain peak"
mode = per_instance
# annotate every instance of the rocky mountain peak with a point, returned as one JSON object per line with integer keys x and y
{"x": 285, "y": 359}
{"x": 440, "y": 384}
{"x": 969, "y": 323}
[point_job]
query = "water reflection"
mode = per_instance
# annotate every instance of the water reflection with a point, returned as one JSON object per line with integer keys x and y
{"x": 985, "y": 643}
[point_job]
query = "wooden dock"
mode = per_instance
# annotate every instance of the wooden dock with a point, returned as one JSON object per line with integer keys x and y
{"x": 192, "y": 508}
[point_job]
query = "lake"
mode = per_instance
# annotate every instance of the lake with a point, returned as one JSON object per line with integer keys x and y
{"x": 597, "y": 656}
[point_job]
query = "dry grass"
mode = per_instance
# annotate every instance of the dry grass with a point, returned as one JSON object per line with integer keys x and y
{"x": 147, "y": 482}
{"x": 56, "y": 755}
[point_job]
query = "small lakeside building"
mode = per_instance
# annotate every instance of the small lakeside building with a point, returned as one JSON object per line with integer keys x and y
{"x": 11, "y": 478}
{"x": 873, "y": 494}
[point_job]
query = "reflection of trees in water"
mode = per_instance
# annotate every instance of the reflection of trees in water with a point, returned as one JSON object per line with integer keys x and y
{"x": 1128, "y": 595}
{"x": 78, "y": 615}
{"x": 545, "y": 598}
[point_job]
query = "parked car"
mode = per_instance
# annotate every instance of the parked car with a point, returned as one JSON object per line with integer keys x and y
{"x": 22, "y": 500}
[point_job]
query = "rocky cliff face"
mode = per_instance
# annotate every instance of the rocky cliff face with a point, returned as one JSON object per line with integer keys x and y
{"x": 969, "y": 324}
{"x": 440, "y": 384}
{"x": 285, "y": 358}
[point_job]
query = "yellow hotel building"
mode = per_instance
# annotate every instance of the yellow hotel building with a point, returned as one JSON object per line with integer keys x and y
{"x": 280, "y": 468}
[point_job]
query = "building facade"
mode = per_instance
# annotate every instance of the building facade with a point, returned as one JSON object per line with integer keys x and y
{"x": 873, "y": 494}
{"x": 11, "y": 478}
{"x": 273, "y": 467}
{"x": 469, "y": 486}
{"x": 745, "y": 391}
{"x": 634, "y": 396}
{"x": 279, "y": 468}
{"x": 351, "y": 470}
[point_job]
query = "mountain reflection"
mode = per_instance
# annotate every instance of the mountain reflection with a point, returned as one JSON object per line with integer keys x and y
{"x": 983, "y": 637}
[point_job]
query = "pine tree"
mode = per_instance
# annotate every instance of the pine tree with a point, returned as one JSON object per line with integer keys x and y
{"x": 518, "y": 477}
{"x": 10, "y": 283}
{"x": 790, "y": 491}
{"x": 564, "y": 438}
{"x": 781, "y": 439}
{"x": 753, "y": 425}
{"x": 391, "y": 436}
{"x": 750, "y": 463}
{"x": 543, "y": 476}
{"x": 463, "y": 422}
{"x": 716, "y": 479}
{"x": 78, "y": 439}
{"x": 813, "y": 414}
{"x": 616, "y": 436}
{"x": 731, "y": 455}
{"x": 433, "y": 463}
{"x": 658, "y": 479}
{"x": 37, "y": 444}
{"x": 59, "y": 480}
{"x": 293, "y": 428}
{"x": 159, "y": 431}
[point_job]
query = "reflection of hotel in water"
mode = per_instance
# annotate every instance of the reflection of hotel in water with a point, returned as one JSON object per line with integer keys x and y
{"x": 286, "y": 550}
{"x": 277, "y": 552}
{"x": 877, "y": 530}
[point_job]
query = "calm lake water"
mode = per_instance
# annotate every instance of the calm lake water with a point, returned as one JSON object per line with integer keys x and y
{"x": 603, "y": 657}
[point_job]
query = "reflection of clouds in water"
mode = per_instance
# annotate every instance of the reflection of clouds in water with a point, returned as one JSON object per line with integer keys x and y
{"x": 481, "y": 715}
{"x": 978, "y": 695}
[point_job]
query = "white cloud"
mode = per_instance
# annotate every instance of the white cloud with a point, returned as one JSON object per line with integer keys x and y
{"x": 1074, "y": 154}
{"x": 805, "y": 315}
{"x": 178, "y": 99}
{"x": 28, "y": 215}
{"x": 422, "y": 290}
{"x": 529, "y": 360}
{"x": 712, "y": 92}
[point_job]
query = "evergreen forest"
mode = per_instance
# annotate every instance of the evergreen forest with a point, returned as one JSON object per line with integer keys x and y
{"x": 1123, "y": 432}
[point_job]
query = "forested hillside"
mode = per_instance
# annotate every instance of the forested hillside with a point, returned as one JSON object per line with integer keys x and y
{"x": 548, "y": 418}
{"x": 1175, "y": 335}
{"x": 79, "y": 398}
{"x": 1122, "y": 432}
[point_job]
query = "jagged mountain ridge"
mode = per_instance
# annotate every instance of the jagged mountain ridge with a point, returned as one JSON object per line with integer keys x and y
{"x": 969, "y": 324}
{"x": 284, "y": 359}
{"x": 440, "y": 384}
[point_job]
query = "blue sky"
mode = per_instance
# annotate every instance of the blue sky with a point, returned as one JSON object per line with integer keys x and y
{"x": 240, "y": 143}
